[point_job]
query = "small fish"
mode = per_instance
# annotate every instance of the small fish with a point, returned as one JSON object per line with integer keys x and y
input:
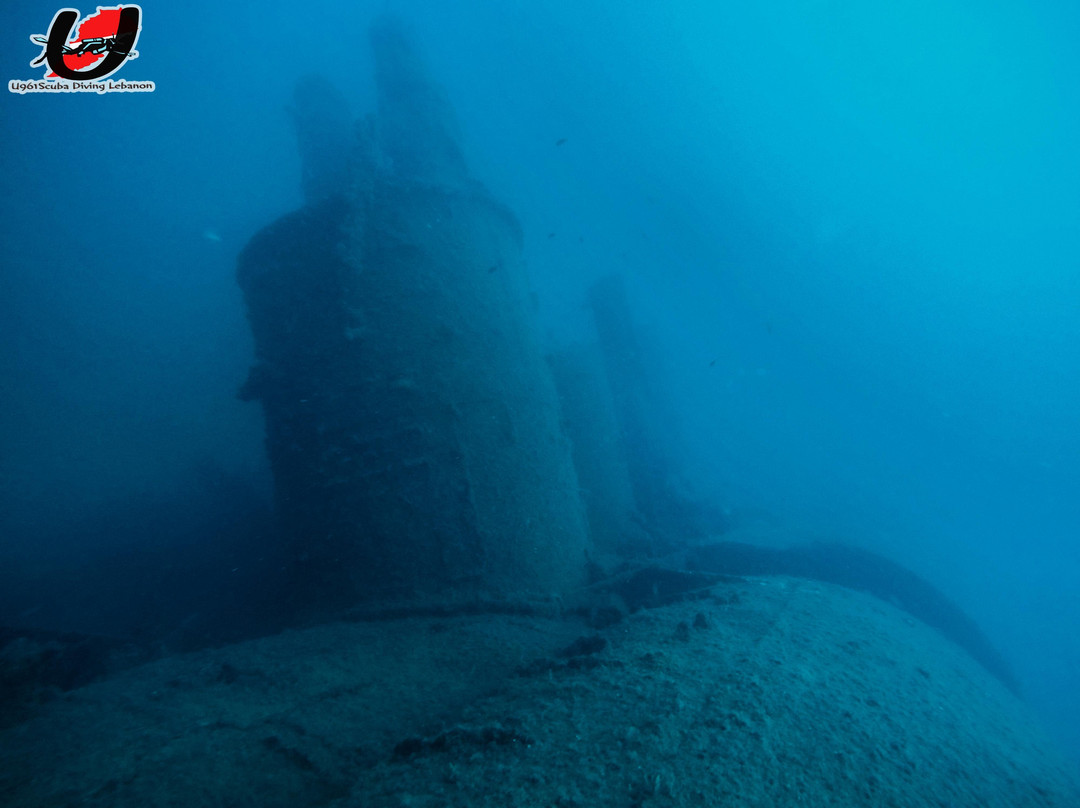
{"x": 211, "y": 235}
{"x": 560, "y": 141}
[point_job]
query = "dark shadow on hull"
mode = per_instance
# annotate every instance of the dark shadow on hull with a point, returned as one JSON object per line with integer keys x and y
{"x": 866, "y": 572}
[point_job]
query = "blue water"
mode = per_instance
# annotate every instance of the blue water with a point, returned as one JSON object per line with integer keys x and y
{"x": 850, "y": 230}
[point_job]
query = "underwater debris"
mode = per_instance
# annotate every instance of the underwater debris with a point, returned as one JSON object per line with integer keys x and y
{"x": 459, "y": 738}
{"x": 400, "y": 464}
{"x": 584, "y": 645}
